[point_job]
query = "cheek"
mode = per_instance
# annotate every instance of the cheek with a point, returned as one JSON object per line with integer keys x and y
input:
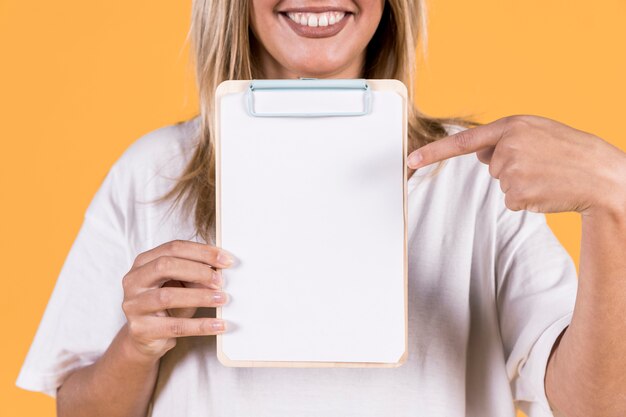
{"x": 371, "y": 12}
{"x": 260, "y": 16}
{"x": 365, "y": 24}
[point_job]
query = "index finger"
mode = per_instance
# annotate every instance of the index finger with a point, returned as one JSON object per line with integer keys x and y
{"x": 194, "y": 251}
{"x": 461, "y": 143}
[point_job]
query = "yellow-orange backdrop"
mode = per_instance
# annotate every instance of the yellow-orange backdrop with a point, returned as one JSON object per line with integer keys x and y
{"x": 80, "y": 81}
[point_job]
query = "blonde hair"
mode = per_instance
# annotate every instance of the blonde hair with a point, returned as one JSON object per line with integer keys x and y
{"x": 222, "y": 47}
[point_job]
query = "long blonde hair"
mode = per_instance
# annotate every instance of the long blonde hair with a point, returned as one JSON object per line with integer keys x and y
{"x": 222, "y": 49}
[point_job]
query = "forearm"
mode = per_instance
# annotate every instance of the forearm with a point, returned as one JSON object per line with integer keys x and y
{"x": 120, "y": 383}
{"x": 587, "y": 373}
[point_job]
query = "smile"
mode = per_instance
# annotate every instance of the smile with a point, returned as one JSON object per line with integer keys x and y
{"x": 316, "y": 25}
{"x": 317, "y": 19}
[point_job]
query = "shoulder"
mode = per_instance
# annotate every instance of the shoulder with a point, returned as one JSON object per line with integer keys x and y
{"x": 146, "y": 169}
{"x": 167, "y": 147}
{"x": 151, "y": 164}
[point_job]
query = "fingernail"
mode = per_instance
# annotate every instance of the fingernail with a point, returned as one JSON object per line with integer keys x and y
{"x": 219, "y": 297}
{"x": 415, "y": 159}
{"x": 218, "y": 325}
{"x": 224, "y": 258}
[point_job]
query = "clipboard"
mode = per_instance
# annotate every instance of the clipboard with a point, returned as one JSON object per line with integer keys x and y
{"x": 311, "y": 199}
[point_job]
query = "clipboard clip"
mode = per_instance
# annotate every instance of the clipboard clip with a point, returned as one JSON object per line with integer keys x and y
{"x": 258, "y": 86}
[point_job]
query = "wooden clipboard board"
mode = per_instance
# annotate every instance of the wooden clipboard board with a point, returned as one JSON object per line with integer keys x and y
{"x": 311, "y": 190}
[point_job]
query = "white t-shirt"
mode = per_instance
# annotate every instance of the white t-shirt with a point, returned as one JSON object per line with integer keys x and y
{"x": 490, "y": 290}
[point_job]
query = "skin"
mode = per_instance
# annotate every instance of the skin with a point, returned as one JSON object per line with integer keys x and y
{"x": 586, "y": 373}
{"x": 166, "y": 284}
{"x": 285, "y": 54}
{"x": 157, "y": 314}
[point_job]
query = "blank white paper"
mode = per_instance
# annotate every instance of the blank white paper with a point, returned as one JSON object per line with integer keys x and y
{"x": 312, "y": 208}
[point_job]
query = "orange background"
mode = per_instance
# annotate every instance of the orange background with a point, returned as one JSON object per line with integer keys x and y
{"x": 80, "y": 81}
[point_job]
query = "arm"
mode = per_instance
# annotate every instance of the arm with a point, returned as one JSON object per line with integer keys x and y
{"x": 548, "y": 167}
{"x": 119, "y": 383}
{"x": 585, "y": 375}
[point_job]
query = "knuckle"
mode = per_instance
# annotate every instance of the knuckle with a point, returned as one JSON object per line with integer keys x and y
{"x": 126, "y": 307}
{"x": 135, "y": 328}
{"x": 513, "y": 169}
{"x": 126, "y": 282}
{"x": 164, "y": 297}
{"x": 203, "y": 327}
{"x": 514, "y": 174}
{"x": 176, "y": 328}
{"x": 517, "y": 121}
{"x": 514, "y": 199}
{"x": 525, "y": 199}
{"x": 492, "y": 170}
{"x": 176, "y": 245}
{"x": 139, "y": 260}
{"x": 505, "y": 177}
{"x": 163, "y": 264}
{"x": 463, "y": 140}
{"x": 509, "y": 202}
{"x": 507, "y": 144}
{"x": 519, "y": 175}
{"x": 503, "y": 185}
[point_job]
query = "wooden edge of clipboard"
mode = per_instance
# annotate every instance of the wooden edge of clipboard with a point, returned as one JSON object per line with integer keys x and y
{"x": 236, "y": 86}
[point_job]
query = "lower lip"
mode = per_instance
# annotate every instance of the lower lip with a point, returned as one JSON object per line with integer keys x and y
{"x": 318, "y": 31}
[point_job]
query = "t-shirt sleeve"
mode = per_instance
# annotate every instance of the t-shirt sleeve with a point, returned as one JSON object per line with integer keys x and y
{"x": 84, "y": 311}
{"x": 536, "y": 293}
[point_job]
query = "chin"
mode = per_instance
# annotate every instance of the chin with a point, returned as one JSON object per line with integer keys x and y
{"x": 316, "y": 72}
{"x": 316, "y": 68}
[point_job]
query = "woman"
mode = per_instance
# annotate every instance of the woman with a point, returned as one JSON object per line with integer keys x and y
{"x": 497, "y": 317}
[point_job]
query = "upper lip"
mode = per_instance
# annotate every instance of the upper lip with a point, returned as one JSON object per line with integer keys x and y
{"x": 313, "y": 9}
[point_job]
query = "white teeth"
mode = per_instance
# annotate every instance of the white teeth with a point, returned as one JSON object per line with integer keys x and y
{"x": 316, "y": 19}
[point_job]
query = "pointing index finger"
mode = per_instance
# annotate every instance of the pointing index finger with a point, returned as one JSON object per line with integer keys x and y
{"x": 461, "y": 143}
